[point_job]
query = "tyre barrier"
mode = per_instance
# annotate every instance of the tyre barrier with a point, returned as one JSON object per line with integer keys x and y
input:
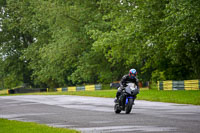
{"x": 81, "y": 88}
{"x": 69, "y": 89}
{"x": 179, "y": 85}
{"x": 24, "y": 90}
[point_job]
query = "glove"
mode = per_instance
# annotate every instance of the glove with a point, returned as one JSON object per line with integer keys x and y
{"x": 124, "y": 85}
{"x": 121, "y": 87}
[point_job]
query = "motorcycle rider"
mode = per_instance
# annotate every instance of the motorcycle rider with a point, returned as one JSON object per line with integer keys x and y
{"x": 131, "y": 77}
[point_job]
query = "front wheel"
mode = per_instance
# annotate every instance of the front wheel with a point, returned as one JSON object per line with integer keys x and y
{"x": 117, "y": 109}
{"x": 129, "y": 106}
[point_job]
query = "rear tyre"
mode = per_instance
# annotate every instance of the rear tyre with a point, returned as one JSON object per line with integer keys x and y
{"x": 116, "y": 109}
{"x": 129, "y": 106}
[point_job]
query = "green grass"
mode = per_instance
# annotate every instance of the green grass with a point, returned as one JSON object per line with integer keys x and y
{"x": 180, "y": 96}
{"x": 98, "y": 93}
{"x": 11, "y": 126}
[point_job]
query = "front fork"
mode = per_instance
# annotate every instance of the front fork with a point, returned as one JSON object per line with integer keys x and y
{"x": 127, "y": 99}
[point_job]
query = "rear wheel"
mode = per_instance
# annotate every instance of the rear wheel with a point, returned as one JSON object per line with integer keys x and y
{"x": 129, "y": 106}
{"x": 117, "y": 109}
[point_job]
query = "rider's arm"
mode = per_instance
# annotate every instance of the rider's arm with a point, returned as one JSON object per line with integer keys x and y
{"x": 137, "y": 83}
{"x": 123, "y": 81}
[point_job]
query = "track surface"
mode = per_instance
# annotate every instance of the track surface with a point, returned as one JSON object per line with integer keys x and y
{"x": 96, "y": 115}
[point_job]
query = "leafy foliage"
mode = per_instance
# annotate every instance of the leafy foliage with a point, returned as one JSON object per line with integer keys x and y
{"x": 59, "y": 43}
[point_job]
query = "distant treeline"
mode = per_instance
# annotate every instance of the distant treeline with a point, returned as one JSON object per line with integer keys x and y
{"x": 53, "y": 43}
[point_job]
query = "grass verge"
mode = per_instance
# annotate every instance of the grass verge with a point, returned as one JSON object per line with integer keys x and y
{"x": 11, "y": 126}
{"x": 180, "y": 96}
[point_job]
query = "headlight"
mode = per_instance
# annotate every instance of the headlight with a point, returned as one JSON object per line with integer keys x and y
{"x": 132, "y": 88}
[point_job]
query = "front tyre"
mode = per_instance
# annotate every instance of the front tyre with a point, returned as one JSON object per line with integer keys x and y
{"x": 129, "y": 106}
{"x": 117, "y": 109}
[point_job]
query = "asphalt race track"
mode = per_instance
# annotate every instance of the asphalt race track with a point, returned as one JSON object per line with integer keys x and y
{"x": 96, "y": 115}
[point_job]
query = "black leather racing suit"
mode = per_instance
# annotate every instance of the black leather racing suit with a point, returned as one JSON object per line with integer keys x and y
{"x": 126, "y": 79}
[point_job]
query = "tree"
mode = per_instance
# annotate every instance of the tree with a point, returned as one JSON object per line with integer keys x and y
{"x": 182, "y": 36}
{"x": 61, "y": 43}
{"x": 14, "y": 39}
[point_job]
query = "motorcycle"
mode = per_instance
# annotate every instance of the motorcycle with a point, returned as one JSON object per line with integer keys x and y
{"x": 126, "y": 99}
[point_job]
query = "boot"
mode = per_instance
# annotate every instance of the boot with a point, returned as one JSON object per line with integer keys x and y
{"x": 116, "y": 100}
